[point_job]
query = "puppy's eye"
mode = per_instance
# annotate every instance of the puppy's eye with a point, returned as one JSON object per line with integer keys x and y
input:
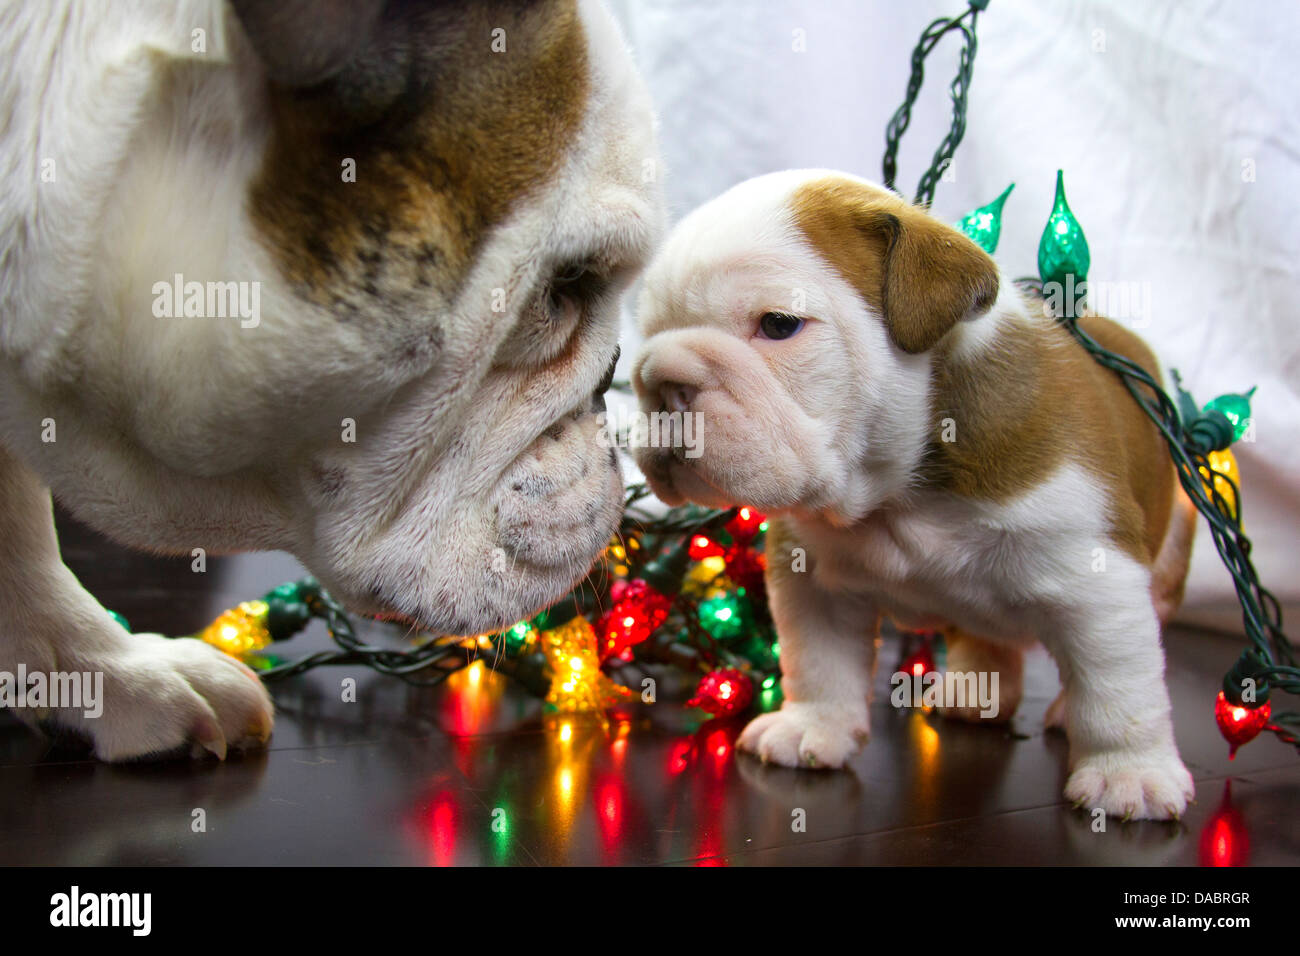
{"x": 779, "y": 325}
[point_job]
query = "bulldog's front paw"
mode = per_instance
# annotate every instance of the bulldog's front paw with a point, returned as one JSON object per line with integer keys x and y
{"x": 163, "y": 696}
{"x": 806, "y": 735}
{"x": 1143, "y": 786}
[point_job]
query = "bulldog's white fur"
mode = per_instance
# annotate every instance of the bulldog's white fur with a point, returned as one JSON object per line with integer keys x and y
{"x": 476, "y": 489}
{"x": 827, "y": 431}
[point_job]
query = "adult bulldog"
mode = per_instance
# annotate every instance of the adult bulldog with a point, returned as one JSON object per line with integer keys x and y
{"x": 338, "y": 278}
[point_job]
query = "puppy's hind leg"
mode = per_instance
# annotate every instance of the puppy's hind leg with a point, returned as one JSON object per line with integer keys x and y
{"x": 142, "y": 695}
{"x": 971, "y": 655}
{"x": 1123, "y": 757}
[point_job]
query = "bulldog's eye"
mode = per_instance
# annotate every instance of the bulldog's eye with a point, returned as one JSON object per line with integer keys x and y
{"x": 573, "y": 287}
{"x": 779, "y": 325}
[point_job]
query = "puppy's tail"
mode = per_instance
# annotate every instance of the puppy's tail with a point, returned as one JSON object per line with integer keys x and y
{"x": 1169, "y": 572}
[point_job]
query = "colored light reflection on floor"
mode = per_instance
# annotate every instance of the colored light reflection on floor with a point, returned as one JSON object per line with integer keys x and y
{"x": 924, "y": 740}
{"x": 699, "y": 769}
{"x": 611, "y": 807}
{"x": 1224, "y": 838}
{"x": 585, "y": 761}
{"x": 718, "y": 750}
{"x": 440, "y": 828}
{"x": 582, "y": 791}
{"x": 569, "y": 743}
{"x": 472, "y": 695}
{"x": 500, "y": 836}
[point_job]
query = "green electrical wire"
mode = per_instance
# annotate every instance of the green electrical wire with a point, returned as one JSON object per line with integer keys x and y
{"x": 1270, "y": 661}
{"x": 439, "y": 656}
{"x": 959, "y": 89}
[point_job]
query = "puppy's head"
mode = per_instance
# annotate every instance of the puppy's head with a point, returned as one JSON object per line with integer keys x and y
{"x": 420, "y": 216}
{"x": 797, "y": 316}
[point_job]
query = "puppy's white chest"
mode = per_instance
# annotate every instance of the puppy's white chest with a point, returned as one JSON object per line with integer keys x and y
{"x": 913, "y": 568}
{"x": 950, "y": 561}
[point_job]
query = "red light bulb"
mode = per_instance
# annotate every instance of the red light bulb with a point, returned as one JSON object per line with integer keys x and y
{"x": 633, "y": 618}
{"x": 744, "y": 526}
{"x": 920, "y": 663}
{"x": 745, "y": 566}
{"x": 703, "y": 547}
{"x": 1238, "y": 723}
{"x": 723, "y": 693}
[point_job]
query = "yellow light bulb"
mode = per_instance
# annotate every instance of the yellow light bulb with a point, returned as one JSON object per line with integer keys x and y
{"x": 571, "y": 651}
{"x": 1225, "y": 464}
{"x": 239, "y": 630}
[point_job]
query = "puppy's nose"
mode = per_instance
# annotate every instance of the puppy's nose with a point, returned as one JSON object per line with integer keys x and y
{"x": 677, "y": 397}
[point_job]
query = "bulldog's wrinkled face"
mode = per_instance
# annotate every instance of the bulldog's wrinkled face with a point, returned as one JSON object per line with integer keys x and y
{"x": 429, "y": 211}
{"x": 797, "y": 316}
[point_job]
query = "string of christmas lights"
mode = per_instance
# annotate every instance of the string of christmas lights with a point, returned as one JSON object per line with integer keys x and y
{"x": 685, "y": 587}
{"x": 1198, "y": 439}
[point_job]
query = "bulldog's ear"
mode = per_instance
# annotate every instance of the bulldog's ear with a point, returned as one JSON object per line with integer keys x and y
{"x": 933, "y": 278}
{"x": 922, "y": 275}
{"x": 303, "y": 43}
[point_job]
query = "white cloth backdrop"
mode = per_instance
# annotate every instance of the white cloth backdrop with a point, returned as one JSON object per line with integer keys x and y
{"x": 1175, "y": 123}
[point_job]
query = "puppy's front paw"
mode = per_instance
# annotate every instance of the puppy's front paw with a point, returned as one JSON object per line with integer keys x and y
{"x": 163, "y": 695}
{"x": 806, "y": 735}
{"x": 1142, "y": 786}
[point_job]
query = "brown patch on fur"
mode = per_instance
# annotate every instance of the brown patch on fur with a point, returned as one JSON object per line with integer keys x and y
{"x": 920, "y": 274}
{"x": 1033, "y": 401}
{"x": 1037, "y": 399}
{"x": 471, "y": 133}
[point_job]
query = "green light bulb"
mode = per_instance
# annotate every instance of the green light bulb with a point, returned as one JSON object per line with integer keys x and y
{"x": 1235, "y": 408}
{"x": 517, "y": 638}
{"x": 1063, "y": 250}
{"x": 723, "y": 616}
{"x": 984, "y": 225}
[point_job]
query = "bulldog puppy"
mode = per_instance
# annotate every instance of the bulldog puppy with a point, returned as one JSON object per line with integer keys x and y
{"x": 940, "y": 450}
{"x": 337, "y": 277}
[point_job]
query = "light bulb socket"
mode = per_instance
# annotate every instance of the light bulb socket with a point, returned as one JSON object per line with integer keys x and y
{"x": 1210, "y": 431}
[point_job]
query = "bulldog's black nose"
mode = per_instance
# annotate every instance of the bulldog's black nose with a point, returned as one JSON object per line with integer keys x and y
{"x": 608, "y": 377}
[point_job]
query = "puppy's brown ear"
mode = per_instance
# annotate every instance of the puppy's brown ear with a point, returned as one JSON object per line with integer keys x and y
{"x": 934, "y": 278}
{"x": 922, "y": 275}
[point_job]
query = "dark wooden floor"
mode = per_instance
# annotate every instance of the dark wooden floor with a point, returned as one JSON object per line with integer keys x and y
{"x": 418, "y": 775}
